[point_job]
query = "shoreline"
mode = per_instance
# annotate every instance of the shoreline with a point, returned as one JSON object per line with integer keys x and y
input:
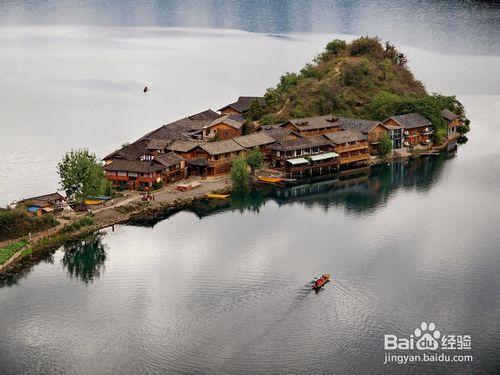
{"x": 168, "y": 200}
{"x": 132, "y": 208}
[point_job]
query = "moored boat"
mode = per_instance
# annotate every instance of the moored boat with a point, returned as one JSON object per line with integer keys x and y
{"x": 92, "y": 202}
{"x": 270, "y": 180}
{"x": 217, "y": 196}
{"x": 319, "y": 283}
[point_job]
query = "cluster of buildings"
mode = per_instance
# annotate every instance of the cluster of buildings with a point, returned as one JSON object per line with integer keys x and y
{"x": 206, "y": 143}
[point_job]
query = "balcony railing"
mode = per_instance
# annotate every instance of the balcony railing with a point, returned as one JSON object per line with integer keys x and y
{"x": 355, "y": 158}
{"x": 357, "y": 146}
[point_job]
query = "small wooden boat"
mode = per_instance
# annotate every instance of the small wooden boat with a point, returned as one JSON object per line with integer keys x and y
{"x": 320, "y": 283}
{"x": 217, "y": 196}
{"x": 92, "y": 202}
{"x": 270, "y": 180}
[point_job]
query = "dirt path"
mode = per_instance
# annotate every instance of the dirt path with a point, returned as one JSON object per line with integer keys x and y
{"x": 107, "y": 215}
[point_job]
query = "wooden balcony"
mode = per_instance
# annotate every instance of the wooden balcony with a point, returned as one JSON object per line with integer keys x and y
{"x": 358, "y": 146}
{"x": 354, "y": 159}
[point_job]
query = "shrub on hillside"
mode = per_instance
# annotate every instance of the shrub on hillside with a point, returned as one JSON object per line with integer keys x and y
{"x": 366, "y": 46}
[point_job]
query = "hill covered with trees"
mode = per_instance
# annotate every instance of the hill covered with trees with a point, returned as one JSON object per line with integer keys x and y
{"x": 361, "y": 79}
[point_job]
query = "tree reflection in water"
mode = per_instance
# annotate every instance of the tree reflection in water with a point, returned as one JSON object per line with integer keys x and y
{"x": 359, "y": 192}
{"x": 85, "y": 259}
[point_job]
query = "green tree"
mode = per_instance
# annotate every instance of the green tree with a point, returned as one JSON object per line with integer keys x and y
{"x": 385, "y": 144}
{"x": 247, "y": 128}
{"x": 255, "y": 110}
{"x": 255, "y": 158}
{"x": 239, "y": 174}
{"x": 81, "y": 173}
{"x": 336, "y": 46}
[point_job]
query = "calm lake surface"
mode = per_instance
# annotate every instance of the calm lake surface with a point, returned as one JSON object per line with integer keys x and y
{"x": 227, "y": 290}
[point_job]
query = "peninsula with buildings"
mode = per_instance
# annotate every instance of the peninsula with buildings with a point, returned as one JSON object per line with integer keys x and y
{"x": 357, "y": 104}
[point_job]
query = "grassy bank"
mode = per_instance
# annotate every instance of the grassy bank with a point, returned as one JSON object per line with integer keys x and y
{"x": 8, "y": 252}
{"x": 79, "y": 228}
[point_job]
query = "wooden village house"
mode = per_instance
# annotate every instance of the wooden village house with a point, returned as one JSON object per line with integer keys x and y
{"x": 44, "y": 203}
{"x": 278, "y": 133}
{"x": 260, "y": 140}
{"x": 225, "y": 127}
{"x": 373, "y": 130}
{"x": 416, "y": 129}
{"x": 208, "y": 158}
{"x": 352, "y": 147}
{"x": 453, "y": 121}
{"x": 139, "y": 174}
{"x": 308, "y": 155}
{"x": 241, "y": 106}
{"x": 312, "y": 126}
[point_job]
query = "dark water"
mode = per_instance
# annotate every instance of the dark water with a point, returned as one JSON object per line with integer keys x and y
{"x": 227, "y": 289}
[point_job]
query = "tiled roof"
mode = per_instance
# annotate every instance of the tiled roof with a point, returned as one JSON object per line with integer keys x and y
{"x": 157, "y": 144}
{"x": 255, "y": 139}
{"x": 230, "y": 120}
{"x": 169, "y": 159}
{"x": 43, "y": 200}
{"x": 133, "y": 166}
{"x": 277, "y": 133}
{"x": 364, "y": 126}
{"x": 411, "y": 120}
{"x": 221, "y": 147}
{"x": 181, "y": 145}
{"x": 313, "y": 123}
{"x": 449, "y": 115}
{"x": 132, "y": 151}
{"x": 176, "y": 129}
{"x": 243, "y": 103}
{"x": 301, "y": 143}
{"x": 168, "y": 132}
{"x": 345, "y": 136}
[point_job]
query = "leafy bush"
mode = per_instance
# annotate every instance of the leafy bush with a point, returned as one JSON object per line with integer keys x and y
{"x": 366, "y": 46}
{"x": 15, "y": 223}
{"x": 463, "y": 129}
{"x": 83, "y": 222}
{"x": 336, "y": 46}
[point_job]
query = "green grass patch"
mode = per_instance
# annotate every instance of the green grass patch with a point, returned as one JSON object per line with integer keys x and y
{"x": 7, "y": 252}
{"x": 77, "y": 225}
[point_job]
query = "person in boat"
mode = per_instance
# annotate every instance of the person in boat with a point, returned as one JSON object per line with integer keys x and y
{"x": 145, "y": 90}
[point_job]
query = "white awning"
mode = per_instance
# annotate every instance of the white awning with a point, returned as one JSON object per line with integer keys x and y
{"x": 297, "y": 161}
{"x": 328, "y": 155}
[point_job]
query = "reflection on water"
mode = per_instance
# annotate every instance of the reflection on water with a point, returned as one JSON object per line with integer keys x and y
{"x": 227, "y": 289}
{"x": 85, "y": 259}
{"x": 360, "y": 191}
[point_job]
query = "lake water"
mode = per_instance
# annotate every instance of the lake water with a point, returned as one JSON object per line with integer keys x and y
{"x": 228, "y": 291}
